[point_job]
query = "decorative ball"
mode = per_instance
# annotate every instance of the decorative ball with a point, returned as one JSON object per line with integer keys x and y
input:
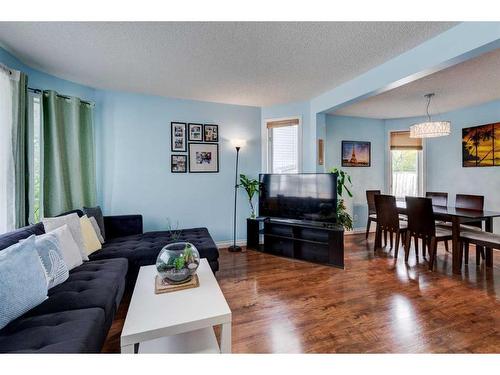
{"x": 178, "y": 262}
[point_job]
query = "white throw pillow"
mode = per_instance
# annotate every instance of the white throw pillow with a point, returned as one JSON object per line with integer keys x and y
{"x": 73, "y": 222}
{"x": 69, "y": 248}
{"x": 93, "y": 221}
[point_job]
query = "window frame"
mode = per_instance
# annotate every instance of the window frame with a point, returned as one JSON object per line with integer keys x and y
{"x": 422, "y": 168}
{"x": 269, "y": 142}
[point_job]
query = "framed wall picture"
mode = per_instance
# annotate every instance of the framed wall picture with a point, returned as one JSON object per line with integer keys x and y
{"x": 481, "y": 146}
{"x": 203, "y": 158}
{"x": 178, "y": 136}
{"x": 178, "y": 163}
{"x": 195, "y": 132}
{"x": 356, "y": 154}
{"x": 211, "y": 133}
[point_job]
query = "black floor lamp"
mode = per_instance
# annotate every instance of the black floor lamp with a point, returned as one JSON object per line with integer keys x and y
{"x": 237, "y": 143}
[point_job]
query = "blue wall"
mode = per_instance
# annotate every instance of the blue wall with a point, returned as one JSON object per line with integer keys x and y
{"x": 339, "y": 128}
{"x": 133, "y": 155}
{"x": 135, "y": 162}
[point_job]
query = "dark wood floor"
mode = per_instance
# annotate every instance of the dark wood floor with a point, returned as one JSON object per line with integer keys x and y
{"x": 375, "y": 305}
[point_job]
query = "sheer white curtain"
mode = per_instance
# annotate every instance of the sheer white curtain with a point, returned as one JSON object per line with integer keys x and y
{"x": 9, "y": 86}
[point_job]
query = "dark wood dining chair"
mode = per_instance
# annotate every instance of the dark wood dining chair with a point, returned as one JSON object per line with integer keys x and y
{"x": 372, "y": 212}
{"x": 421, "y": 225}
{"x": 438, "y": 198}
{"x": 471, "y": 202}
{"x": 388, "y": 221}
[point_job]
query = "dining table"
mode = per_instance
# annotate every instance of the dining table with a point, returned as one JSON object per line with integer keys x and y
{"x": 457, "y": 217}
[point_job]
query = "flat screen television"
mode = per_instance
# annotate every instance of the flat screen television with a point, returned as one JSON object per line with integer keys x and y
{"x": 302, "y": 196}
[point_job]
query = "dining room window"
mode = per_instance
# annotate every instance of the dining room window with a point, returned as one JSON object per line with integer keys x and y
{"x": 406, "y": 166}
{"x": 283, "y": 145}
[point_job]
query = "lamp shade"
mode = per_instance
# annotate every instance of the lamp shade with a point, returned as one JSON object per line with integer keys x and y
{"x": 430, "y": 129}
{"x": 238, "y": 142}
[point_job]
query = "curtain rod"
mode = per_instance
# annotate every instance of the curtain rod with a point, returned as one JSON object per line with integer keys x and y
{"x": 38, "y": 91}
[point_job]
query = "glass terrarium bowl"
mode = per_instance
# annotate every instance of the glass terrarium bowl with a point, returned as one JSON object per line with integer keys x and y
{"x": 178, "y": 262}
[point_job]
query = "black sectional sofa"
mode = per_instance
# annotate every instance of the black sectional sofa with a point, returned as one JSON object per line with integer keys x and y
{"x": 77, "y": 315}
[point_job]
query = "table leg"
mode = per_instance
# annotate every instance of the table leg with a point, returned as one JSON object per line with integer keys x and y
{"x": 456, "y": 263}
{"x": 225, "y": 338}
{"x": 489, "y": 250}
{"x": 128, "y": 349}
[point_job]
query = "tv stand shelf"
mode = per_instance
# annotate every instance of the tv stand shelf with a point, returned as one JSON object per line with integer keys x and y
{"x": 311, "y": 241}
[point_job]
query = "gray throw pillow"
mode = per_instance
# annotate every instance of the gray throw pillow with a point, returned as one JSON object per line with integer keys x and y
{"x": 96, "y": 213}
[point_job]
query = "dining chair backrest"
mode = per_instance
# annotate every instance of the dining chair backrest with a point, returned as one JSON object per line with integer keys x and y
{"x": 370, "y": 198}
{"x": 387, "y": 212}
{"x": 469, "y": 202}
{"x": 420, "y": 217}
{"x": 438, "y": 198}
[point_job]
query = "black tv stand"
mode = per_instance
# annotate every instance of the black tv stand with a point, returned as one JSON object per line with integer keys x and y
{"x": 307, "y": 240}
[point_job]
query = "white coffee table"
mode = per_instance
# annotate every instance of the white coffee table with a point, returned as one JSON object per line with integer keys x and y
{"x": 176, "y": 322}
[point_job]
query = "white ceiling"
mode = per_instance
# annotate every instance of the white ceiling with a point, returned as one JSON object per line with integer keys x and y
{"x": 256, "y": 63}
{"x": 470, "y": 83}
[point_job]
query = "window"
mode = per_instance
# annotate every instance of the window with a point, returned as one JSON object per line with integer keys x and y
{"x": 406, "y": 167}
{"x": 284, "y": 139}
{"x": 35, "y": 155}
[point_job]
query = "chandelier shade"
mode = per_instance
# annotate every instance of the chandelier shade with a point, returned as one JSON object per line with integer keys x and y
{"x": 429, "y": 128}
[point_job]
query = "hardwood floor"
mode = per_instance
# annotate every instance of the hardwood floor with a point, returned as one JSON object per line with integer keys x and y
{"x": 375, "y": 305}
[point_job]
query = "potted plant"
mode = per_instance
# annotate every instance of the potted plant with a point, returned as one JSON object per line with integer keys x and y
{"x": 343, "y": 179}
{"x": 251, "y": 186}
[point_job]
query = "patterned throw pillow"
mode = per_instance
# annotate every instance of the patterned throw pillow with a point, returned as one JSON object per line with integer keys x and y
{"x": 49, "y": 250}
{"x": 23, "y": 284}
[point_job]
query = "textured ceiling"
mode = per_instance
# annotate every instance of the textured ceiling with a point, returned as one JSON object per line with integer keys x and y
{"x": 256, "y": 63}
{"x": 470, "y": 83}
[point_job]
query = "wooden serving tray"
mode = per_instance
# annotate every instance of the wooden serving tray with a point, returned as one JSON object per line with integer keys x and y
{"x": 164, "y": 287}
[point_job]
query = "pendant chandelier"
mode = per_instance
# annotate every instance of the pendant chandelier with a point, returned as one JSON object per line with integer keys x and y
{"x": 429, "y": 128}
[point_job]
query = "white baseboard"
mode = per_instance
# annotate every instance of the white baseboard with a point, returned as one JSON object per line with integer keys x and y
{"x": 226, "y": 244}
{"x": 359, "y": 231}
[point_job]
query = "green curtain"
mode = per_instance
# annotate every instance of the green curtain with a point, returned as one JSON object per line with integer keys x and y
{"x": 21, "y": 172}
{"x": 68, "y": 154}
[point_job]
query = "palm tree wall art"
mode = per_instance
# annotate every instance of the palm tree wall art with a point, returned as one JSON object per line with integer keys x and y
{"x": 481, "y": 146}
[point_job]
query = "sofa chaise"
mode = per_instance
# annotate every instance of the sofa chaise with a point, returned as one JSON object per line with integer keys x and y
{"x": 77, "y": 315}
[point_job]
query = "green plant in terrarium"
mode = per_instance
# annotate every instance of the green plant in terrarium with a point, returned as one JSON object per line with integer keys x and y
{"x": 251, "y": 186}
{"x": 343, "y": 180}
{"x": 179, "y": 263}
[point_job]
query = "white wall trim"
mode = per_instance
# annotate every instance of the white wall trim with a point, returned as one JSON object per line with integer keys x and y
{"x": 226, "y": 244}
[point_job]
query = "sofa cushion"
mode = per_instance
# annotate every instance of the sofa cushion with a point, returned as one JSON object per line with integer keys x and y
{"x": 74, "y": 331}
{"x": 93, "y": 284}
{"x": 11, "y": 238}
{"x": 142, "y": 249}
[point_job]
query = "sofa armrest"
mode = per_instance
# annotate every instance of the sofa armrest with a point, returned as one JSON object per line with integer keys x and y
{"x": 122, "y": 225}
